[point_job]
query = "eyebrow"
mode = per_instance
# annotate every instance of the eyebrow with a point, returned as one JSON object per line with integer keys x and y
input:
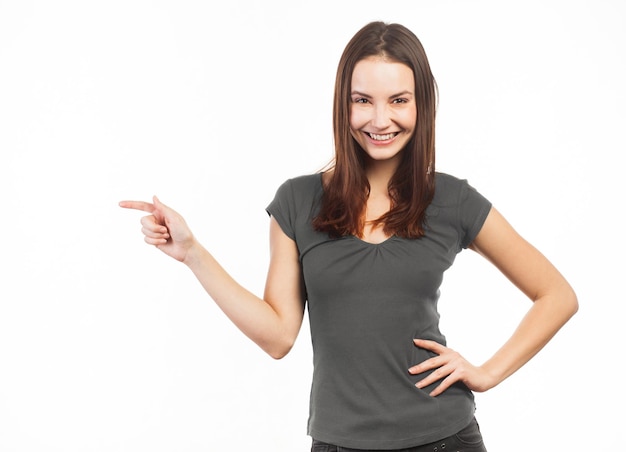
{"x": 393, "y": 96}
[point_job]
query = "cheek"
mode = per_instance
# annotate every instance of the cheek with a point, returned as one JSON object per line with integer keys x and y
{"x": 411, "y": 119}
{"x": 357, "y": 119}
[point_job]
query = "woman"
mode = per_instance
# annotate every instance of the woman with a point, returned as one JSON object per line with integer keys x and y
{"x": 365, "y": 245}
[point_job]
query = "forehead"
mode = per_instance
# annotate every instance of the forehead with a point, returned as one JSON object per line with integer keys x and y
{"x": 379, "y": 74}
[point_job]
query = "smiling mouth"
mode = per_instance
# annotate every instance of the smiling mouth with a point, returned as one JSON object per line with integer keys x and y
{"x": 385, "y": 137}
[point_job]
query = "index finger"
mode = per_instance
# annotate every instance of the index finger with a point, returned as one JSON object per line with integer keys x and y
{"x": 138, "y": 205}
{"x": 429, "y": 345}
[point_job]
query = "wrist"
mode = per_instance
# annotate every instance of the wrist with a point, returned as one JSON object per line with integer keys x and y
{"x": 493, "y": 374}
{"x": 193, "y": 254}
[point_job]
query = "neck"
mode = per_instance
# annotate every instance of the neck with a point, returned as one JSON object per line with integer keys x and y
{"x": 379, "y": 173}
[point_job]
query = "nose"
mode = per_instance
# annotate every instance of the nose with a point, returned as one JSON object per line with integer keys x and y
{"x": 381, "y": 119}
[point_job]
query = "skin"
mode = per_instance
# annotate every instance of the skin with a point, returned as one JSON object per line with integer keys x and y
{"x": 382, "y": 103}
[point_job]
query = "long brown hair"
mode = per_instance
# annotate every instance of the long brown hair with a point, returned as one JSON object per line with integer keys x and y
{"x": 412, "y": 186}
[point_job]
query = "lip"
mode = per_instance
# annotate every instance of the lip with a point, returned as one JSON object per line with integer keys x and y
{"x": 375, "y": 142}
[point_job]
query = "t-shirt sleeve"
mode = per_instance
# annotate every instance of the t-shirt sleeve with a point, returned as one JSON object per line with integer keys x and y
{"x": 473, "y": 211}
{"x": 282, "y": 208}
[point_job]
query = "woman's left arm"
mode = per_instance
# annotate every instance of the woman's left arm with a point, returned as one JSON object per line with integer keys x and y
{"x": 554, "y": 303}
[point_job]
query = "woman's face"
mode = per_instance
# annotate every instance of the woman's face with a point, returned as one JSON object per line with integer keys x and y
{"x": 383, "y": 112}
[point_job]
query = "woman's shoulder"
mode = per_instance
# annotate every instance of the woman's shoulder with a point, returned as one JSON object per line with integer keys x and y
{"x": 306, "y": 180}
{"x": 447, "y": 184}
{"x": 301, "y": 187}
{"x": 450, "y": 189}
{"x": 447, "y": 180}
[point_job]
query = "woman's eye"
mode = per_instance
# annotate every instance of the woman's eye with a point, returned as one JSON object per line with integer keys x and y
{"x": 400, "y": 101}
{"x": 359, "y": 100}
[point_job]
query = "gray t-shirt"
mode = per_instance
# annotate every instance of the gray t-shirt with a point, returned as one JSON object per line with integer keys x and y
{"x": 366, "y": 303}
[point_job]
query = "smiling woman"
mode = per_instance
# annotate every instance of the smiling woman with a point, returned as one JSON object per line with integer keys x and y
{"x": 365, "y": 245}
{"x": 384, "y": 85}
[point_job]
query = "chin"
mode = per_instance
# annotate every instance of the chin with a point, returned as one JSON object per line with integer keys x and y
{"x": 378, "y": 156}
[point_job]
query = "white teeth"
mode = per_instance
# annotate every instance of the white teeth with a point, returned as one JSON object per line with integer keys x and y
{"x": 387, "y": 136}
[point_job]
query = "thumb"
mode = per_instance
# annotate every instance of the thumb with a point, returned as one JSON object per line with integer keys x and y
{"x": 159, "y": 205}
{"x": 160, "y": 209}
{"x": 164, "y": 213}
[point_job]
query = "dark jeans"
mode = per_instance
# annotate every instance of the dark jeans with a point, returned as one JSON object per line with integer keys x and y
{"x": 467, "y": 440}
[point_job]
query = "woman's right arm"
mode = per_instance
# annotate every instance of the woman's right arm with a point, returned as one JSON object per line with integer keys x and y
{"x": 272, "y": 322}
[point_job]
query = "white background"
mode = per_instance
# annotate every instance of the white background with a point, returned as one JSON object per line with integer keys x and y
{"x": 108, "y": 345}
